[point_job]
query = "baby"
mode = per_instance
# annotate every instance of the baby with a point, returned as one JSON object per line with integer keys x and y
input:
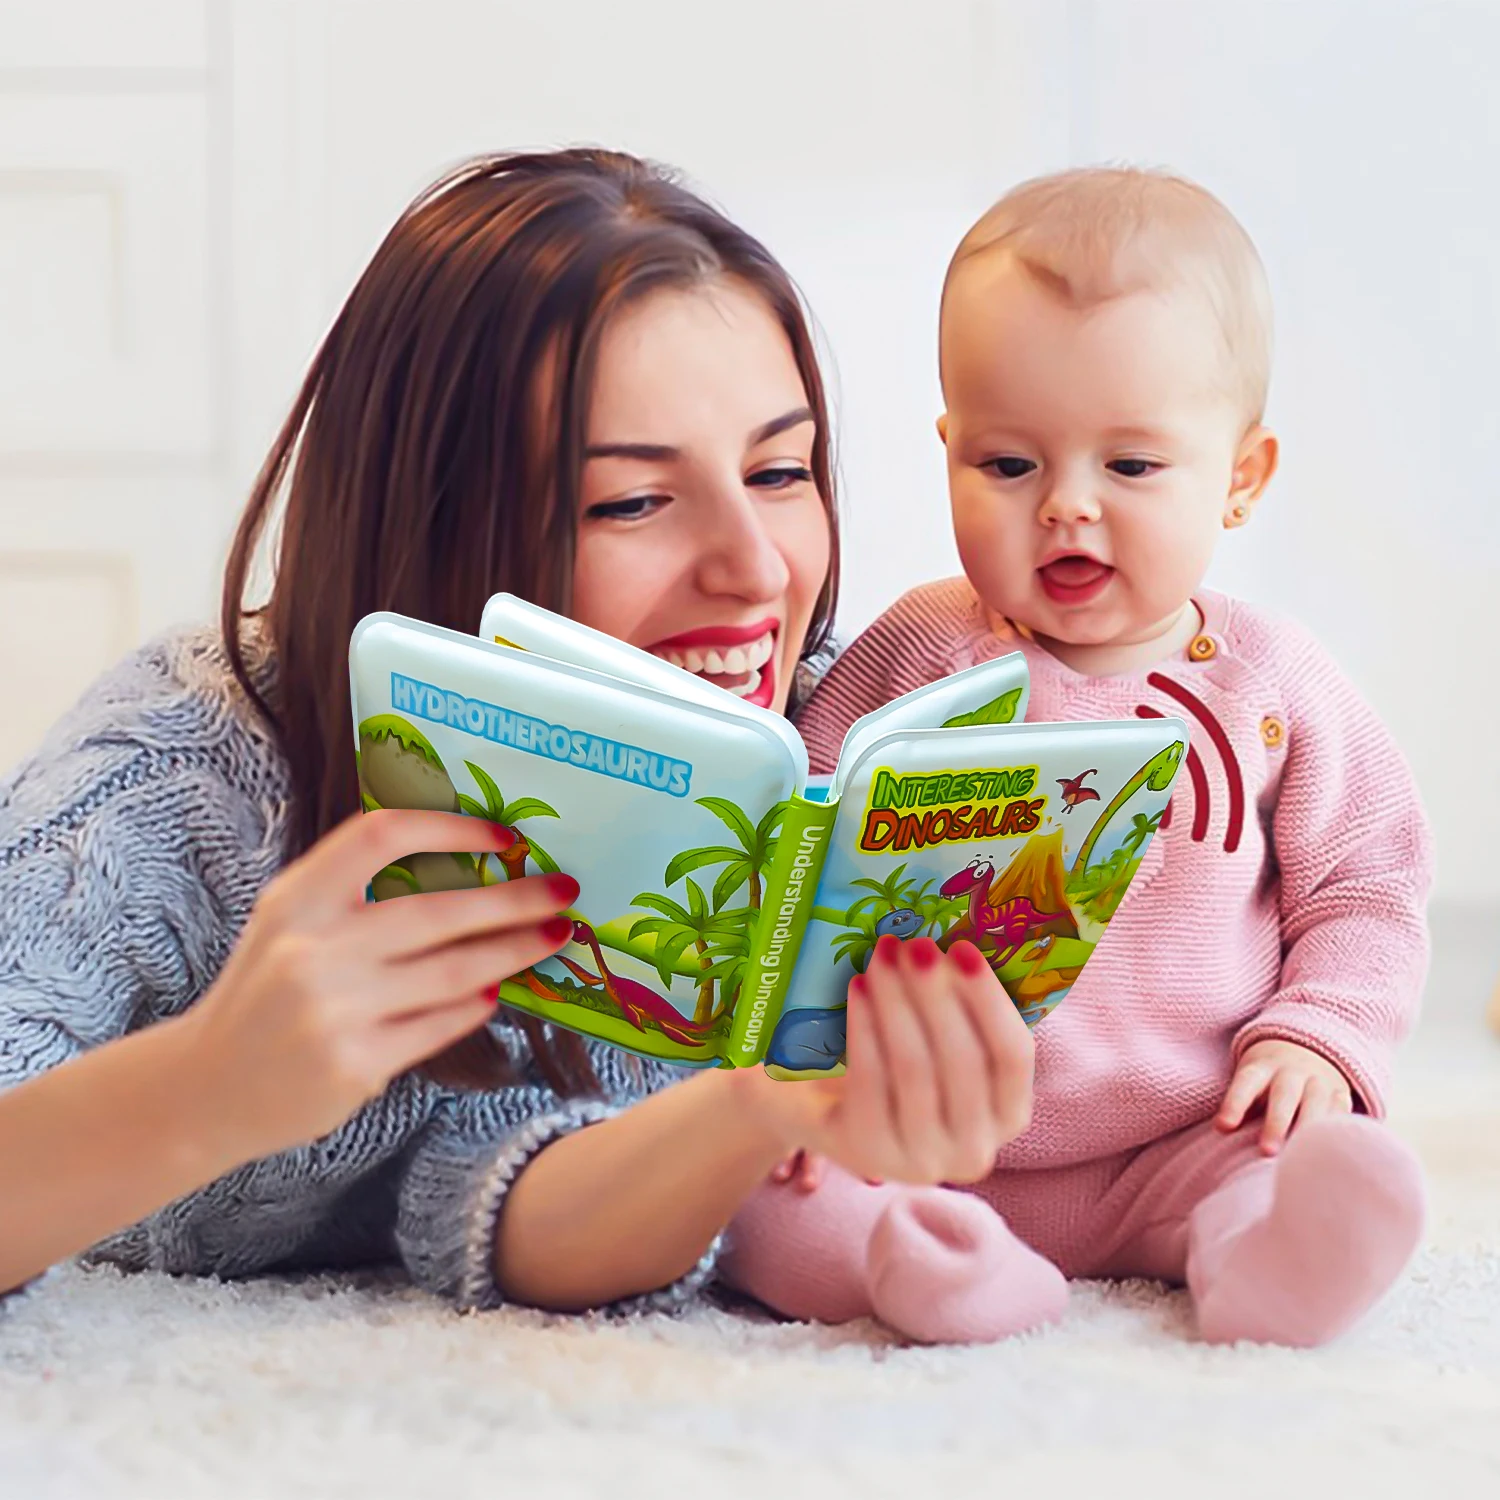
{"x": 1105, "y": 352}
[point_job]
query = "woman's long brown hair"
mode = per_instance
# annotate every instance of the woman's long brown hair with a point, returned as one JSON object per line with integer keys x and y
{"x": 425, "y": 466}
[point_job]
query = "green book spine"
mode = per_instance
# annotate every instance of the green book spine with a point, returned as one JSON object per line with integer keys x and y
{"x": 791, "y": 886}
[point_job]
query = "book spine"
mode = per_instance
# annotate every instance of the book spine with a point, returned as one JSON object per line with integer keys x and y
{"x": 791, "y": 885}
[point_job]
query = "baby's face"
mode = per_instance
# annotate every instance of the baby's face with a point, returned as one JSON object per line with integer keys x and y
{"x": 1091, "y": 454}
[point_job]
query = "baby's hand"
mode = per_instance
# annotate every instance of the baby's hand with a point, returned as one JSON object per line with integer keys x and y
{"x": 802, "y": 1168}
{"x": 806, "y": 1169}
{"x": 1296, "y": 1083}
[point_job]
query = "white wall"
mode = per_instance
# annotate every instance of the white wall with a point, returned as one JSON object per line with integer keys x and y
{"x": 188, "y": 187}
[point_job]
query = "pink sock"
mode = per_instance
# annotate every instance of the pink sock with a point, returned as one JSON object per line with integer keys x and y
{"x": 1296, "y": 1249}
{"x": 933, "y": 1264}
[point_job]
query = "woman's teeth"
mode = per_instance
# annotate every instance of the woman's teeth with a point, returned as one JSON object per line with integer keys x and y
{"x": 730, "y": 661}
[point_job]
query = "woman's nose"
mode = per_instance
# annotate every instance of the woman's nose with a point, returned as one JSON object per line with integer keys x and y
{"x": 739, "y": 553}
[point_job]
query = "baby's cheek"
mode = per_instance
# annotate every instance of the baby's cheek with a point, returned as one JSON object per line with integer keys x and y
{"x": 991, "y": 556}
{"x": 1170, "y": 551}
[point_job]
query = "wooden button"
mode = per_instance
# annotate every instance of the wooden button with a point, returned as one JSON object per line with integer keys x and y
{"x": 1203, "y": 648}
{"x": 1273, "y": 732}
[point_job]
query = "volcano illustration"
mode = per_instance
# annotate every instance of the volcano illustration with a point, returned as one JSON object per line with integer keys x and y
{"x": 1038, "y": 874}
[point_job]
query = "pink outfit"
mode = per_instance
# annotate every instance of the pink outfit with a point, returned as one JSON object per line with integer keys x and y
{"x": 1283, "y": 897}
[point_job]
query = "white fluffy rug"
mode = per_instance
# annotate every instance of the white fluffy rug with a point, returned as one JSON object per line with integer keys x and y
{"x": 115, "y": 1387}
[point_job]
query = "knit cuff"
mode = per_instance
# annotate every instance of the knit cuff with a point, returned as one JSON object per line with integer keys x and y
{"x": 478, "y": 1290}
{"x": 1332, "y": 1038}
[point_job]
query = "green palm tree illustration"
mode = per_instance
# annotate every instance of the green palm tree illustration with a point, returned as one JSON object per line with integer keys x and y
{"x": 1141, "y": 829}
{"x": 729, "y": 952}
{"x": 857, "y": 941}
{"x": 678, "y": 928}
{"x": 743, "y": 864}
{"x": 936, "y": 910}
{"x": 892, "y": 893}
{"x": 509, "y": 814}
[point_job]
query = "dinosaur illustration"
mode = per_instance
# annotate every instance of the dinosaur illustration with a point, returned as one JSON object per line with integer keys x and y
{"x": 807, "y": 1041}
{"x": 635, "y": 1001}
{"x": 1157, "y": 774}
{"x": 1074, "y": 791}
{"x": 1005, "y": 925}
{"x": 902, "y": 923}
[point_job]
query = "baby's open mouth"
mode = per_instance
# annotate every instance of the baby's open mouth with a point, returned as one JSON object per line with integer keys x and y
{"x": 1074, "y": 579}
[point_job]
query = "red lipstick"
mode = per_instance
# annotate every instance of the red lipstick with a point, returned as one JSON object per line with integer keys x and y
{"x": 716, "y": 635}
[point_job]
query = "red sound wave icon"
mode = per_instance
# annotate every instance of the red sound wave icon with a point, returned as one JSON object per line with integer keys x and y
{"x": 1232, "y": 776}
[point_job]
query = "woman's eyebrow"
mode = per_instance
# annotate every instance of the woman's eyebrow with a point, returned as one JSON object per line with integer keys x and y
{"x": 783, "y": 423}
{"x": 658, "y": 453}
{"x": 647, "y": 452}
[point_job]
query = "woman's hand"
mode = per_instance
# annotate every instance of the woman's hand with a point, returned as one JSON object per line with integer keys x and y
{"x": 939, "y": 1072}
{"x": 327, "y": 997}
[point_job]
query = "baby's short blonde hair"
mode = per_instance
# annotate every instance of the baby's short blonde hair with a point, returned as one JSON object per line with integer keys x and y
{"x": 1095, "y": 233}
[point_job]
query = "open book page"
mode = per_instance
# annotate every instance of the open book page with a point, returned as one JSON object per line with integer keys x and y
{"x": 663, "y": 810}
{"x": 528, "y": 627}
{"x": 1022, "y": 840}
{"x": 994, "y": 692}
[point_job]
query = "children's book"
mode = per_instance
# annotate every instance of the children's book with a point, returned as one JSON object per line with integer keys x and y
{"x": 726, "y": 900}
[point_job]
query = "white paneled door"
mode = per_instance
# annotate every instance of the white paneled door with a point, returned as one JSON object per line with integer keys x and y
{"x": 113, "y": 367}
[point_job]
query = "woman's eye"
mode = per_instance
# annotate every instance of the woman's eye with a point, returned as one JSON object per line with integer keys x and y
{"x": 1132, "y": 468}
{"x": 1010, "y": 467}
{"x": 780, "y": 478}
{"x": 635, "y": 508}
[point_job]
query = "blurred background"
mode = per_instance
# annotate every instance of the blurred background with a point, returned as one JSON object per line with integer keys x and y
{"x": 188, "y": 188}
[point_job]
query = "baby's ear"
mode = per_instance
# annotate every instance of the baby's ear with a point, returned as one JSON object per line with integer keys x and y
{"x": 1254, "y": 464}
{"x": 942, "y": 427}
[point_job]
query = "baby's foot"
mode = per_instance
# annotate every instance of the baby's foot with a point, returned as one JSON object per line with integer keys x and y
{"x": 1346, "y": 1213}
{"x": 944, "y": 1268}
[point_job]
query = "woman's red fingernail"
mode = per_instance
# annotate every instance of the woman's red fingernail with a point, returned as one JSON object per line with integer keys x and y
{"x": 492, "y": 994}
{"x": 556, "y": 930}
{"x": 857, "y": 987}
{"x": 887, "y": 948}
{"x": 562, "y": 888}
{"x": 504, "y": 837}
{"x": 924, "y": 952}
{"x": 969, "y": 959}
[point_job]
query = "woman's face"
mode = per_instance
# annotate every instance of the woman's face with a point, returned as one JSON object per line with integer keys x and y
{"x": 702, "y": 537}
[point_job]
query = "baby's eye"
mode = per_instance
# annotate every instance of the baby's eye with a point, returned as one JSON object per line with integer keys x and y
{"x": 633, "y": 508}
{"x": 1010, "y": 467}
{"x": 1133, "y": 468}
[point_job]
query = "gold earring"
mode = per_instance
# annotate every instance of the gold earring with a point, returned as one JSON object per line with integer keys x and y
{"x": 1237, "y": 516}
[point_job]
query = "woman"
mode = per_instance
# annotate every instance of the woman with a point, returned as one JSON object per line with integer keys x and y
{"x": 564, "y": 376}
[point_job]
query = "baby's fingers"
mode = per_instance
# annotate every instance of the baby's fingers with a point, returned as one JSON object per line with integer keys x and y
{"x": 809, "y": 1172}
{"x": 1322, "y": 1100}
{"x": 804, "y": 1169}
{"x": 1282, "y": 1104}
{"x": 1248, "y": 1084}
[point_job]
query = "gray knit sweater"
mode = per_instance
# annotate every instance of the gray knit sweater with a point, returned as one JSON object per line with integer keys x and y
{"x": 132, "y": 847}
